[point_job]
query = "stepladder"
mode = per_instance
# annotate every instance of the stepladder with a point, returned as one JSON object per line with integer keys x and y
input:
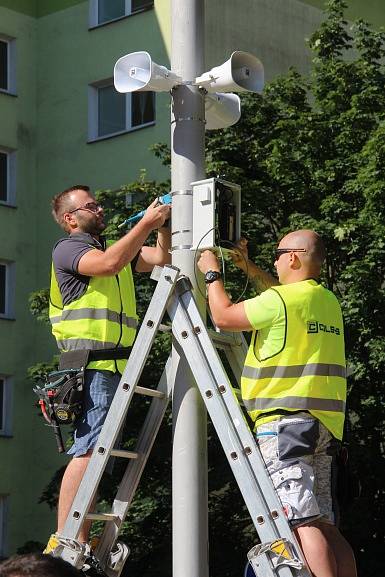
{"x": 277, "y": 553}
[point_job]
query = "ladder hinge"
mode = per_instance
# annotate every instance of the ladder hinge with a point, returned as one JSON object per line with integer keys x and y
{"x": 183, "y": 285}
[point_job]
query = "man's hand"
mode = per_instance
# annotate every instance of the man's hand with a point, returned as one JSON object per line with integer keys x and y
{"x": 156, "y": 214}
{"x": 208, "y": 261}
{"x": 240, "y": 255}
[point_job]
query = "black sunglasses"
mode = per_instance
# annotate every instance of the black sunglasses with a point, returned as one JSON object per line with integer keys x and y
{"x": 90, "y": 206}
{"x": 279, "y": 251}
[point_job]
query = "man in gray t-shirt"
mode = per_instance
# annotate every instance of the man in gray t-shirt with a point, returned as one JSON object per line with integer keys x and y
{"x": 78, "y": 259}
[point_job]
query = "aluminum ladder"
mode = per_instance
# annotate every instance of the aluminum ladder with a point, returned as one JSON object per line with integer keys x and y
{"x": 278, "y": 554}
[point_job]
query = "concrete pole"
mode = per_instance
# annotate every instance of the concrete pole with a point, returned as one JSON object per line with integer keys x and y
{"x": 190, "y": 526}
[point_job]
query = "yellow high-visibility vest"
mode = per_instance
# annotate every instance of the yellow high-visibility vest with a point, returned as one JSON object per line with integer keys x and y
{"x": 104, "y": 317}
{"x": 308, "y": 372}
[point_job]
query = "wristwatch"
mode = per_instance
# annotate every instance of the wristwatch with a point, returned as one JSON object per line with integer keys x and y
{"x": 211, "y": 276}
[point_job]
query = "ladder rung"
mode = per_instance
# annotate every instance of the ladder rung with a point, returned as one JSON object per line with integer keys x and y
{"x": 107, "y": 517}
{"x": 165, "y": 328}
{"x": 223, "y": 340}
{"x": 124, "y": 454}
{"x": 149, "y": 392}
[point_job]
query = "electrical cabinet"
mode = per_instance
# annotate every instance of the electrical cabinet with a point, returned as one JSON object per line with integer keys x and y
{"x": 216, "y": 213}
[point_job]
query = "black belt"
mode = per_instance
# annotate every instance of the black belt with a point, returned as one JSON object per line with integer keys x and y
{"x": 109, "y": 354}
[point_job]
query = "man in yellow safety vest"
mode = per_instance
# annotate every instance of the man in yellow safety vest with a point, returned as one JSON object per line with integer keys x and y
{"x": 92, "y": 308}
{"x": 294, "y": 388}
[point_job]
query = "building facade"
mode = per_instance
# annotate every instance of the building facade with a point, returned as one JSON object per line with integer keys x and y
{"x": 62, "y": 122}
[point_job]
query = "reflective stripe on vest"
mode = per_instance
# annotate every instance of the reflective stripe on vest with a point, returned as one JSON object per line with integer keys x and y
{"x": 95, "y": 314}
{"x": 308, "y": 370}
{"x": 305, "y": 403}
{"x": 294, "y": 371}
{"x": 78, "y": 344}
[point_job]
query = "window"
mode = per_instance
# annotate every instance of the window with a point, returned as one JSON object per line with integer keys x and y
{"x": 7, "y": 278}
{"x": 103, "y": 11}
{"x": 7, "y": 64}
{"x": 5, "y": 406}
{"x": 4, "y": 65}
{"x": 112, "y": 113}
{"x": 7, "y": 176}
{"x": 3, "y": 524}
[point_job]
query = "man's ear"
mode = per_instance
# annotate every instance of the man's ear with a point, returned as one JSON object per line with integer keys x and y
{"x": 295, "y": 263}
{"x": 69, "y": 219}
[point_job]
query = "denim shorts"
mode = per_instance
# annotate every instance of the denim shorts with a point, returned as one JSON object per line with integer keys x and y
{"x": 299, "y": 455}
{"x": 99, "y": 390}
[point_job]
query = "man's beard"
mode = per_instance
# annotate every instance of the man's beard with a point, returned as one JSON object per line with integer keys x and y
{"x": 95, "y": 227}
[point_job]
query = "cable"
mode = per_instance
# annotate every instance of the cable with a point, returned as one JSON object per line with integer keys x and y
{"x": 195, "y": 261}
{"x": 219, "y": 246}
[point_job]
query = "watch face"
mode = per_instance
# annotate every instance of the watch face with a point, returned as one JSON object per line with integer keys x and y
{"x": 211, "y": 276}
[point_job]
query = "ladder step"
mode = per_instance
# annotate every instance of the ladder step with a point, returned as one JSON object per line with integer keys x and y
{"x": 124, "y": 454}
{"x": 107, "y": 517}
{"x": 223, "y": 340}
{"x": 149, "y": 392}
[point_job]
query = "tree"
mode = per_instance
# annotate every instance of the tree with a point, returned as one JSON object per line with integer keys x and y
{"x": 309, "y": 152}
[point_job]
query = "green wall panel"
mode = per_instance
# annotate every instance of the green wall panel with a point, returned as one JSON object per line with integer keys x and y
{"x": 45, "y": 7}
{"x": 38, "y": 8}
{"x": 371, "y": 10}
{"x": 28, "y": 7}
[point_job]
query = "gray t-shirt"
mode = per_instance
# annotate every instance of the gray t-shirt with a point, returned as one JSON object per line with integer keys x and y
{"x": 65, "y": 257}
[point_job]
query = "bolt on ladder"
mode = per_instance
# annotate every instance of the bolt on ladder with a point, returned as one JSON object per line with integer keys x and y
{"x": 278, "y": 554}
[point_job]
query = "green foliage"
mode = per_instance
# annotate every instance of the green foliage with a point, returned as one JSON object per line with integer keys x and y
{"x": 309, "y": 152}
{"x": 38, "y": 305}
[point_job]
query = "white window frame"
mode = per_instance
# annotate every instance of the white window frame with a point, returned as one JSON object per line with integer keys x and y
{"x": 11, "y": 62}
{"x": 11, "y": 176}
{"x": 9, "y": 289}
{"x": 6, "y": 428}
{"x": 4, "y": 502}
{"x": 93, "y": 112}
{"x": 94, "y": 12}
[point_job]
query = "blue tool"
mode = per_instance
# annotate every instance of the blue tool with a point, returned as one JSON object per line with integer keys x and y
{"x": 165, "y": 199}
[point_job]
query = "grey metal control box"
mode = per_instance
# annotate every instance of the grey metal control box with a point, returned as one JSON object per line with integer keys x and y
{"x": 216, "y": 213}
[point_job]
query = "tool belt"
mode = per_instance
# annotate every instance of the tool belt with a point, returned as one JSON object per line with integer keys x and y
{"x": 61, "y": 397}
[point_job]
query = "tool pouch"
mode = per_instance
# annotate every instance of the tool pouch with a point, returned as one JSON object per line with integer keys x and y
{"x": 61, "y": 397}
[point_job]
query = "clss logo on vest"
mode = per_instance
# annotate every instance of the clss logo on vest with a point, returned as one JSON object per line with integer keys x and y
{"x": 317, "y": 327}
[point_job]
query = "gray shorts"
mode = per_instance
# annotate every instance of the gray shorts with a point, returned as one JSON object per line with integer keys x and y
{"x": 298, "y": 453}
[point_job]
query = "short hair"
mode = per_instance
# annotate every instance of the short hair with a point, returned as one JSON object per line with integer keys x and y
{"x": 37, "y": 565}
{"x": 61, "y": 203}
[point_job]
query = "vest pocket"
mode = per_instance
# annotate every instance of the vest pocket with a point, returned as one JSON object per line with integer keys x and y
{"x": 297, "y": 438}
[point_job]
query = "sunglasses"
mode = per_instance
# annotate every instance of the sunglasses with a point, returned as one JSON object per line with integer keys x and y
{"x": 90, "y": 206}
{"x": 279, "y": 251}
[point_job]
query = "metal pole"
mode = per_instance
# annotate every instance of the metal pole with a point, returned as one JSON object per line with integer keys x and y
{"x": 190, "y": 510}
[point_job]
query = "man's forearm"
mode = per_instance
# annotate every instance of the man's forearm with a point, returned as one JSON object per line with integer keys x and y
{"x": 163, "y": 244}
{"x": 261, "y": 280}
{"x": 126, "y": 248}
{"x": 218, "y": 300}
